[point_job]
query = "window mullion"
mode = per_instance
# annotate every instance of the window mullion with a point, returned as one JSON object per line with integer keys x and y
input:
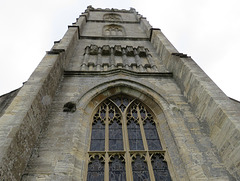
{"x": 106, "y": 168}
{"x": 128, "y": 165}
{"x": 140, "y": 122}
{"x": 147, "y": 157}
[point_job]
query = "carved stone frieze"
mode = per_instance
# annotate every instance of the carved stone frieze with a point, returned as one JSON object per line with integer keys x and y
{"x": 103, "y": 58}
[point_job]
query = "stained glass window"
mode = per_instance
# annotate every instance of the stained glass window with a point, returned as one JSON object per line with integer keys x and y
{"x": 134, "y": 136}
{"x": 140, "y": 169}
{"x": 125, "y": 144}
{"x": 117, "y": 168}
{"x": 152, "y": 135}
{"x": 98, "y": 131}
{"x": 95, "y": 169}
{"x": 160, "y": 168}
{"x": 115, "y": 130}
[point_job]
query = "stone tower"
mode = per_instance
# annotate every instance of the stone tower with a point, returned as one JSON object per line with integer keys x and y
{"x": 114, "y": 100}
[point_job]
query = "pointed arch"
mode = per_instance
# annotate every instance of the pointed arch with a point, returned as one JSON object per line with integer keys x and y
{"x": 129, "y": 130}
{"x": 146, "y": 92}
{"x": 152, "y": 96}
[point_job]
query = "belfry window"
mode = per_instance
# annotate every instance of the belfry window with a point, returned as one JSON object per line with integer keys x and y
{"x": 125, "y": 144}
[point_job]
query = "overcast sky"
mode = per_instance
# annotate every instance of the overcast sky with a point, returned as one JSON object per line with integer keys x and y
{"x": 207, "y": 30}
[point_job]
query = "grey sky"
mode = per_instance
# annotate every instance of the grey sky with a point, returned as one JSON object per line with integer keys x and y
{"x": 207, "y": 30}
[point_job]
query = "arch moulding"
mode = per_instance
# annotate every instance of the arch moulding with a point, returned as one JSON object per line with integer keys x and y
{"x": 148, "y": 94}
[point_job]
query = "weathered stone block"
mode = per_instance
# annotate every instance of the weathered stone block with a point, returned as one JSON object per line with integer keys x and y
{"x": 93, "y": 50}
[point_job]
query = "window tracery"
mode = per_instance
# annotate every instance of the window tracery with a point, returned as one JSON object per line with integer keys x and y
{"x": 98, "y": 130}
{"x": 139, "y": 168}
{"x": 112, "y": 17}
{"x": 160, "y": 168}
{"x": 133, "y": 127}
{"x": 96, "y": 168}
{"x": 117, "y": 167}
{"x": 113, "y": 30}
{"x": 124, "y": 143}
{"x": 115, "y": 130}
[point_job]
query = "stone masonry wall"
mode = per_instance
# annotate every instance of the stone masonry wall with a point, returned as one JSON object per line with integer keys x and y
{"x": 40, "y": 141}
{"x": 23, "y": 119}
{"x": 63, "y": 144}
{"x": 209, "y": 103}
{"x": 6, "y": 99}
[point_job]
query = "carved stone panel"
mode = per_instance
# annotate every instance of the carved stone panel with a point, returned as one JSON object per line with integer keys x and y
{"x": 113, "y": 30}
{"x": 112, "y": 17}
{"x": 103, "y": 58}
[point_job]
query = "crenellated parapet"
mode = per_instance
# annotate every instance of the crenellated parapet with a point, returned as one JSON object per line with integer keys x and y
{"x": 91, "y": 8}
{"x": 103, "y": 58}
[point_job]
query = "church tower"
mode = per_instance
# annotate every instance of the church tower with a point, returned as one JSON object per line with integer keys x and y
{"x": 114, "y": 100}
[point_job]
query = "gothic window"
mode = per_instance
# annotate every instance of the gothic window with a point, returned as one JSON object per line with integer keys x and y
{"x": 98, "y": 130}
{"x": 115, "y": 130}
{"x": 139, "y": 168}
{"x": 124, "y": 143}
{"x": 117, "y": 168}
{"x": 133, "y": 127}
{"x": 96, "y": 168}
{"x": 113, "y": 30}
{"x": 160, "y": 168}
{"x": 112, "y": 17}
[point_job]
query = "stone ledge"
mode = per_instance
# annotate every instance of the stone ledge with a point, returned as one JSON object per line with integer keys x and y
{"x": 114, "y": 38}
{"x": 74, "y": 26}
{"x": 121, "y": 22}
{"x": 55, "y": 51}
{"x": 115, "y": 71}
